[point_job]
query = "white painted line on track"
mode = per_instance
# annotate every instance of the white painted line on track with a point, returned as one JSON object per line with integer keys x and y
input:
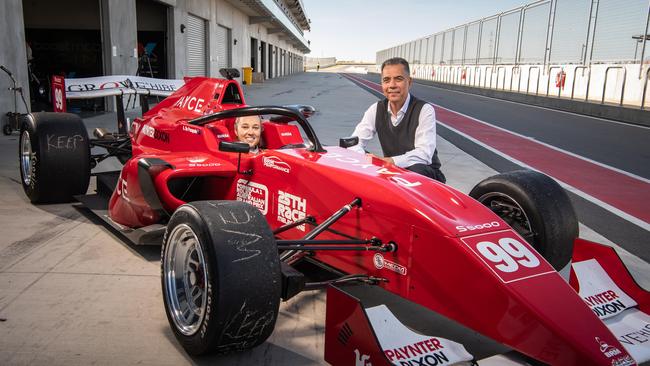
{"x": 642, "y": 224}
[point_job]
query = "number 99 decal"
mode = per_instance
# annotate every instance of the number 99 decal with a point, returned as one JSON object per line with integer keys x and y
{"x": 58, "y": 98}
{"x": 507, "y": 255}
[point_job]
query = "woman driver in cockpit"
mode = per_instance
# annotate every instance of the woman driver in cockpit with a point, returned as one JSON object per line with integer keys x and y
{"x": 249, "y": 130}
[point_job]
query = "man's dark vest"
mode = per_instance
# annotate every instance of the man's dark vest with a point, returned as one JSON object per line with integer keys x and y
{"x": 401, "y": 139}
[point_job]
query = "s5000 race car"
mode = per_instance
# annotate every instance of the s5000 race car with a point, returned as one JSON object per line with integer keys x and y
{"x": 417, "y": 273}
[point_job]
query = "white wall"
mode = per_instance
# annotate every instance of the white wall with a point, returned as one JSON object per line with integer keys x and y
{"x": 622, "y": 79}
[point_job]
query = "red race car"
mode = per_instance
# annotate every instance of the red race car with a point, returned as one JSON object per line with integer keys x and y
{"x": 417, "y": 272}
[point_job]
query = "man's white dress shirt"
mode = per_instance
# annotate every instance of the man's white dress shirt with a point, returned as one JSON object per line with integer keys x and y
{"x": 425, "y": 134}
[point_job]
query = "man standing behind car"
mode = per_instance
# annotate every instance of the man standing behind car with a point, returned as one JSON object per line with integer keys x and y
{"x": 405, "y": 125}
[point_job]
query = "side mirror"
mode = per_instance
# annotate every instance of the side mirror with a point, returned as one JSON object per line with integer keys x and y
{"x": 306, "y": 110}
{"x": 237, "y": 147}
{"x": 229, "y": 73}
{"x": 348, "y": 141}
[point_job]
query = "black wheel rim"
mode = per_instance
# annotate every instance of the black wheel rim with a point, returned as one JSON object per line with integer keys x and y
{"x": 510, "y": 211}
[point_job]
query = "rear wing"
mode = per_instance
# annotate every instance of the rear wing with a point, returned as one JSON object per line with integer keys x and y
{"x": 112, "y": 85}
{"x": 105, "y": 86}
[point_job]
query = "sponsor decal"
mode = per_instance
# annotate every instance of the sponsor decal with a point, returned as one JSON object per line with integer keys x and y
{"x": 190, "y": 103}
{"x": 381, "y": 263}
{"x": 487, "y": 225}
{"x": 76, "y": 87}
{"x": 192, "y": 130}
{"x": 223, "y": 136}
{"x": 155, "y": 134}
{"x": 286, "y": 134}
{"x": 253, "y": 193}
{"x": 606, "y": 349}
{"x": 632, "y": 330}
{"x": 135, "y": 126}
{"x": 640, "y": 336}
{"x": 394, "y": 175}
{"x": 361, "y": 359}
{"x": 197, "y": 159}
{"x": 121, "y": 189}
{"x": 507, "y": 255}
{"x": 404, "y": 347}
{"x": 599, "y": 291}
{"x": 291, "y": 208}
{"x": 203, "y": 165}
{"x": 276, "y": 163}
{"x": 623, "y": 361}
{"x": 614, "y": 353}
{"x": 58, "y": 93}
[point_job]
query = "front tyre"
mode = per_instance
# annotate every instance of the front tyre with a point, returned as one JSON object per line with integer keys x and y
{"x": 54, "y": 157}
{"x": 220, "y": 277}
{"x": 537, "y": 208}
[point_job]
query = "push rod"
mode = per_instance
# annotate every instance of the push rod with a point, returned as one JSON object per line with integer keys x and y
{"x": 325, "y": 242}
{"x": 306, "y": 220}
{"x": 324, "y": 225}
{"x": 330, "y": 247}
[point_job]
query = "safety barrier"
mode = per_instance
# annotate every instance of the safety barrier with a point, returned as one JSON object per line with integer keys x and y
{"x": 602, "y": 101}
{"x": 645, "y": 88}
{"x": 573, "y": 82}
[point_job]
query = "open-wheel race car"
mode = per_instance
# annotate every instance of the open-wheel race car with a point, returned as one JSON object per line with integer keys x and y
{"x": 417, "y": 273}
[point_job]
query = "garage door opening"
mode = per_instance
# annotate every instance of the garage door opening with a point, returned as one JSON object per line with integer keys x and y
{"x": 152, "y": 39}
{"x": 65, "y": 39}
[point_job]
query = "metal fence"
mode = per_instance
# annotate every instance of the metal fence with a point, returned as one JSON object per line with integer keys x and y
{"x": 546, "y": 31}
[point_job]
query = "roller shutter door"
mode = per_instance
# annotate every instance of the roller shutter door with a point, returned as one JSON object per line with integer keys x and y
{"x": 196, "y": 46}
{"x": 223, "y": 47}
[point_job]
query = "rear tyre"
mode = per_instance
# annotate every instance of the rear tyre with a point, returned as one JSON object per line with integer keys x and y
{"x": 537, "y": 208}
{"x": 220, "y": 277}
{"x": 54, "y": 154}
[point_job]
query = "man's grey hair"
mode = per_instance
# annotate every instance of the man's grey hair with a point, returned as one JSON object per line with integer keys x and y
{"x": 397, "y": 61}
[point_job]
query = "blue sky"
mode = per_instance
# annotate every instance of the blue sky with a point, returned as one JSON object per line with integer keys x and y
{"x": 357, "y": 29}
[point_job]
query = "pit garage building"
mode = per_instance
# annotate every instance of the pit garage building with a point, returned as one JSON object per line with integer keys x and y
{"x": 153, "y": 38}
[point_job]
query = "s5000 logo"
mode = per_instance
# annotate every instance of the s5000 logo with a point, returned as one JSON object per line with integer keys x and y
{"x": 487, "y": 225}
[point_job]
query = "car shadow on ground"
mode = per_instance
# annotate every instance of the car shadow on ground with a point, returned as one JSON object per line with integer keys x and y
{"x": 150, "y": 253}
{"x": 265, "y": 354}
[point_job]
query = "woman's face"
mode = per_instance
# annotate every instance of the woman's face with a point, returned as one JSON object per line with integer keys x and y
{"x": 249, "y": 129}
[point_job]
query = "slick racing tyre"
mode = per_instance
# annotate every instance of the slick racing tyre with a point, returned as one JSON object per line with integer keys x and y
{"x": 220, "y": 277}
{"x": 537, "y": 208}
{"x": 54, "y": 156}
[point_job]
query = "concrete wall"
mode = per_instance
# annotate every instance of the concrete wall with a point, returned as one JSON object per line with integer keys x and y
{"x": 12, "y": 56}
{"x": 120, "y": 37}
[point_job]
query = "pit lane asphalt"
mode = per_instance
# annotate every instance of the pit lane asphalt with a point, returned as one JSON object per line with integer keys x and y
{"x": 73, "y": 293}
